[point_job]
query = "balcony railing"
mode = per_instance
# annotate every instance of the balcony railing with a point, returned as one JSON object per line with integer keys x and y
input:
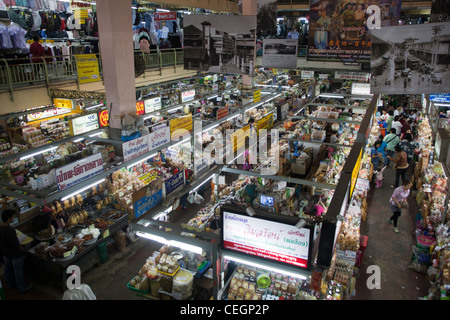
{"x": 16, "y": 73}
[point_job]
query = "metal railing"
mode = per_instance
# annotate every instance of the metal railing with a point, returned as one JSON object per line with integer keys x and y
{"x": 15, "y": 73}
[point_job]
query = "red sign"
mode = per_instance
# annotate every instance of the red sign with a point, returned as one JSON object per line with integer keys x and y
{"x": 103, "y": 118}
{"x": 140, "y": 108}
{"x": 159, "y": 16}
{"x": 221, "y": 113}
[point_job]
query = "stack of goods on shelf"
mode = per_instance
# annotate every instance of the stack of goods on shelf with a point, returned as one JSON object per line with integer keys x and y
{"x": 122, "y": 186}
{"x": 249, "y": 283}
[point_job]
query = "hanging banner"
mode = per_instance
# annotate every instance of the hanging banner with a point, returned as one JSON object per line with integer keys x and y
{"x": 266, "y": 17}
{"x": 280, "y": 53}
{"x": 265, "y": 122}
{"x": 47, "y": 114}
{"x": 256, "y": 96}
{"x": 187, "y": 95}
{"x": 440, "y": 11}
{"x": 63, "y": 103}
{"x": 307, "y": 74}
{"x": 174, "y": 182}
{"x": 180, "y": 126}
{"x": 87, "y": 67}
{"x": 222, "y": 113}
{"x": 338, "y": 32}
{"x": 79, "y": 171}
{"x": 350, "y": 75}
{"x": 134, "y": 148}
{"x": 159, "y": 136}
{"x": 161, "y": 16}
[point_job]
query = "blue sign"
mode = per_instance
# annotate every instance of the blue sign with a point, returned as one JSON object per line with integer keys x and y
{"x": 174, "y": 182}
{"x": 147, "y": 202}
{"x": 440, "y": 97}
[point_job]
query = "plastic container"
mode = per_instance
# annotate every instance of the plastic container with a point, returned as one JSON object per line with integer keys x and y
{"x": 425, "y": 242}
{"x": 102, "y": 251}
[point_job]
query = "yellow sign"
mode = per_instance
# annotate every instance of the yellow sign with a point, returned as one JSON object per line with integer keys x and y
{"x": 238, "y": 138}
{"x": 355, "y": 173}
{"x": 87, "y": 66}
{"x": 256, "y": 96}
{"x": 63, "y": 103}
{"x": 265, "y": 122}
{"x": 179, "y": 126}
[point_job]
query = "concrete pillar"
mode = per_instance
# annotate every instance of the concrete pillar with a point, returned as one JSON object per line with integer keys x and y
{"x": 116, "y": 47}
{"x": 250, "y": 8}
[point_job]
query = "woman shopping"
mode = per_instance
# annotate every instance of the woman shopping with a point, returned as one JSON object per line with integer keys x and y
{"x": 400, "y": 165}
{"x": 397, "y": 202}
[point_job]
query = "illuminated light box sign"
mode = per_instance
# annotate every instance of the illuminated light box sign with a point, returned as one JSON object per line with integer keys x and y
{"x": 266, "y": 239}
{"x": 84, "y": 124}
{"x": 152, "y": 104}
{"x": 360, "y": 88}
{"x": 442, "y": 97}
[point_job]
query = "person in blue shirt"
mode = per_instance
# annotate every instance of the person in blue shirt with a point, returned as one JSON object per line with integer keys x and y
{"x": 375, "y": 155}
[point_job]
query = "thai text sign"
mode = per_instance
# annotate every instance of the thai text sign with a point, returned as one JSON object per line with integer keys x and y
{"x": 159, "y": 136}
{"x": 79, "y": 171}
{"x": 87, "y": 66}
{"x": 83, "y": 124}
{"x": 134, "y": 148}
{"x": 266, "y": 239}
{"x": 174, "y": 182}
{"x": 145, "y": 199}
{"x": 180, "y": 126}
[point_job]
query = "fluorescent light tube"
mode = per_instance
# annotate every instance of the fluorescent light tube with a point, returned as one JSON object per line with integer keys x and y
{"x": 173, "y": 243}
{"x": 262, "y": 266}
{"x": 36, "y": 153}
{"x": 178, "y": 143}
{"x": 92, "y": 107}
{"x": 162, "y": 10}
{"x": 83, "y": 189}
{"x": 95, "y": 134}
{"x": 331, "y": 96}
{"x": 136, "y": 163}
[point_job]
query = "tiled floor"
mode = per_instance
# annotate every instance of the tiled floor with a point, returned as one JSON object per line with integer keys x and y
{"x": 389, "y": 251}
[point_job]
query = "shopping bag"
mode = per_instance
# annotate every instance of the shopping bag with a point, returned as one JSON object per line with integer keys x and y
{"x": 198, "y": 198}
{"x": 191, "y": 197}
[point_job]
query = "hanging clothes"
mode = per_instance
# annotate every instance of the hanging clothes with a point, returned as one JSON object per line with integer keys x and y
{"x": 5, "y": 38}
{"x": 17, "y": 35}
{"x": 36, "y": 21}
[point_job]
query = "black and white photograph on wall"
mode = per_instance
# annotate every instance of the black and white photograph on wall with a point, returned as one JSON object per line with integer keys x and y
{"x": 411, "y": 58}
{"x": 219, "y": 43}
{"x": 280, "y": 53}
{"x": 440, "y": 11}
{"x": 266, "y": 23}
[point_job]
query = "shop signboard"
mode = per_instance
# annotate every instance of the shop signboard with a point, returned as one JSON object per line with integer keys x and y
{"x": 79, "y": 171}
{"x": 265, "y": 122}
{"x": 147, "y": 198}
{"x": 238, "y": 138}
{"x": 360, "y": 88}
{"x": 140, "y": 108}
{"x": 256, "y": 96}
{"x": 164, "y": 16}
{"x": 63, "y": 103}
{"x": 350, "y": 75}
{"x": 307, "y": 74}
{"x": 135, "y": 148}
{"x": 187, "y": 95}
{"x": 222, "y": 113}
{"x": 159, "y": 136}
{"x": 180, "y": 126}
{"x": 47, "y": 114}
{"x": 174, "y": 182}
{"x": 355, "y": 173}
{"x": 282, "y": 111}
{"x": 152, "y": 104}
{"x": 84, "y": 124}
{"x": 440, "y": 97}
{"x": 103, "y": 118}
{"x": 266, "y": 239}
{"x": 87, "y": 68}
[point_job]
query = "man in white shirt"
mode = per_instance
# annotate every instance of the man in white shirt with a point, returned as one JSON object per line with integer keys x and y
{"x": 398, "y": 111}
{"x": 397, "y": 125}
{"x": 293, "y": 34}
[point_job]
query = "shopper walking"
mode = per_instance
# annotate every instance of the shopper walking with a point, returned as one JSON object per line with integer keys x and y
{"x": 13, "y": 254}
{"x": 397, "y": 202}
{"x": 389, "y": 120}
{"x": 391, "y": 140}
{"x": 397, "y": 125}
{"x": 400, "y": 165}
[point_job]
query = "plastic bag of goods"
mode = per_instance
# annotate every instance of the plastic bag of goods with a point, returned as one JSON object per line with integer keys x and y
{"x": 182, "y": 283}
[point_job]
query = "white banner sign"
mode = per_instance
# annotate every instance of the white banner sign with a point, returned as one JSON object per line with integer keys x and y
{"x": 47, "y": 114}
{"x": 360, "y": 88}
{"x": 84, "y": 124}
{"x": 135, "y": 148}
{"x": 349, "y": 75}
{"x": 307, "y": 74}
{"x": 187, "y": 95}
{"x": 266, "y": 239}
{"x": 79, "y": 171}
{"x": 152, "y": 104}
{"x": 159, "y": 136}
